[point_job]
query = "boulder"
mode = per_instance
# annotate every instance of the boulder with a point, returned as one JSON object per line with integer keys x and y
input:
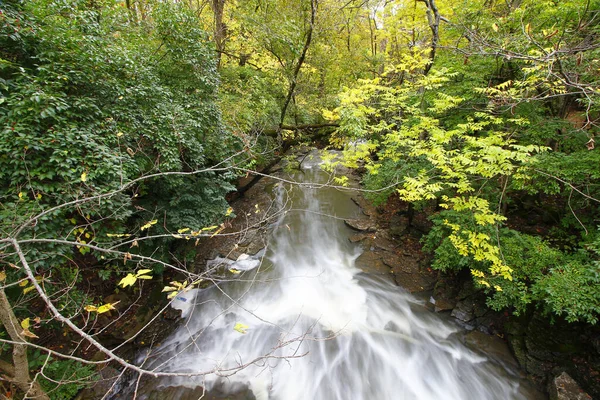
{"x": 563, "y": 387}
{"x": 362, "y": 225}
{"x": 464, "y": 310}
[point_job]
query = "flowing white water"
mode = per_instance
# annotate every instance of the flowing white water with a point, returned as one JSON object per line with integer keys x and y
{"x": 319, "y": 329}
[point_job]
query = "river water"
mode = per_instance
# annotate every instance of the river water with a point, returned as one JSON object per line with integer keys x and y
{"x": 312, "y": 326}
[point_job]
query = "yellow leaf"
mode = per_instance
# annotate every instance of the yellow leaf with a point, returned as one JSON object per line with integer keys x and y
{"x": 171, "y": 295}
{"x": 21, "y": 194}
{"x": 168, "y": 289}
{"x": 210, "y": 228}
{"x": 241, "y": 328}
{"x": 119, "y": 134}
{"x": 2, "y": 276}
{"x": 28, "y": 289}
{"x": 143, "y": 271}
{"x": 149, "y": 224}
{"x": 25, "y": 324}
{"x": 495, "y": 27}
{"x": 217, "y": 232}
{"x": 106, "y": 307}
{"x": 24, "y": 282}
{"x": 235, "y": 271}
{"x": 38, "y": 196}
{"x": 90, "y": 308}
{"x": 83, "y": 177}
{"x": 229, "y": 211}
{"x": 129, "y": 280}
{"x": 183, "y": 230}
{"x": 144, "y": 277}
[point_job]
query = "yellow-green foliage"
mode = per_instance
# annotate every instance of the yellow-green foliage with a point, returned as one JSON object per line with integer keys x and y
{"x": 405, "y": 124}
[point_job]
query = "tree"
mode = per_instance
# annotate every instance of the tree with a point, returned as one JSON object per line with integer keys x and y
{"x": 474, "y": 151}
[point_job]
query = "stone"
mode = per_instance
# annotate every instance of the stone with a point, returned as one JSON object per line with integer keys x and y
{"x": 492, "y": 346}
{"x": 363, "y": 225}
{"x": 563, "y": 387}
{"x": 366, "y": 207}
{"x": 359, "y": 237}
{"x": 370, "y": 262}
{"x": 464, "y": 311}
{"x": 399, "y": 225}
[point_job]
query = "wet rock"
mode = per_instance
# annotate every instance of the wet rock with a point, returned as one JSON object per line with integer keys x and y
{"x": 517, "y": 345}
{"x": 381, "y": 241}
{"x": 442, "y": 304}
{"x": 359, "y": 237}
{"x": 371, "y": 262}
{"x": 363, "y": 225}
{"x": 399, "y": 225}
{"x": 494, "y": 347}
{"x": 563, "y": 387}
{"x": 464, "y": 310}
{"x": 366, "y": 207}
{"x": 407, "y": 272}
{"x": 444, "y": 293}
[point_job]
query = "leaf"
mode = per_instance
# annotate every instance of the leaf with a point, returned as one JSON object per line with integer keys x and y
{"x": 210, "y": 228}
{"x": 129, "y": 280}
{"x": 148, "y": 225}
{"x": 117, "y": 234}
{"x": 143, "y": 271}
{"x": 235, "y": 271}
{"x": 2, "y": 276}
{"x": 183, "y": 230}
{"x": 168, "y": 289}
{"x": 29, "y": 334}
{"x": 217, "y": 232}
{"x": 495, "y": 27}
{"x": 83, "y": 177}
{"x": 229, "y": 211}
{"x": 25, "y": 324}
{"x": 28, "y": 289}
{"x": 241, "y": 328}
{"x": 106, "y": 307}
{"x": 90, "y": 308}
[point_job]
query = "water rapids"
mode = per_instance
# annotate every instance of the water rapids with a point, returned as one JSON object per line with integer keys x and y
{"x": 317, "y": 328}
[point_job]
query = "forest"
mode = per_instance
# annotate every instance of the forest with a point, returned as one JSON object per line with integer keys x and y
{"x": 126, "y": 126}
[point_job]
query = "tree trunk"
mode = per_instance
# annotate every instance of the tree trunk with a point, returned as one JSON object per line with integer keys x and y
{"x": 218, "y": 7}
{"x": 433, "y": 18}
{"x": 20, "y": 367}
{"x": 294, "y": 80}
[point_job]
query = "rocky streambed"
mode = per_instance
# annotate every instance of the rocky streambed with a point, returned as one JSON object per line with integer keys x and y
{"x": 390, "y": 240}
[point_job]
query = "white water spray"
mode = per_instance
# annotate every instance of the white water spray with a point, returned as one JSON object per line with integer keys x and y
{"x": 319, "y": 329}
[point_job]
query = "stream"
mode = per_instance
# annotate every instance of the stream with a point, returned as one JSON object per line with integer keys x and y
{"x": 306, "y": 324}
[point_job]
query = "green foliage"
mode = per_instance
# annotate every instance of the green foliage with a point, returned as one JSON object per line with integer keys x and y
{"x": 91, "y": 100}
{"x": 62, "y": 379}
{"x": 485, "y": 125}
{"x": 562, "y": 283}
